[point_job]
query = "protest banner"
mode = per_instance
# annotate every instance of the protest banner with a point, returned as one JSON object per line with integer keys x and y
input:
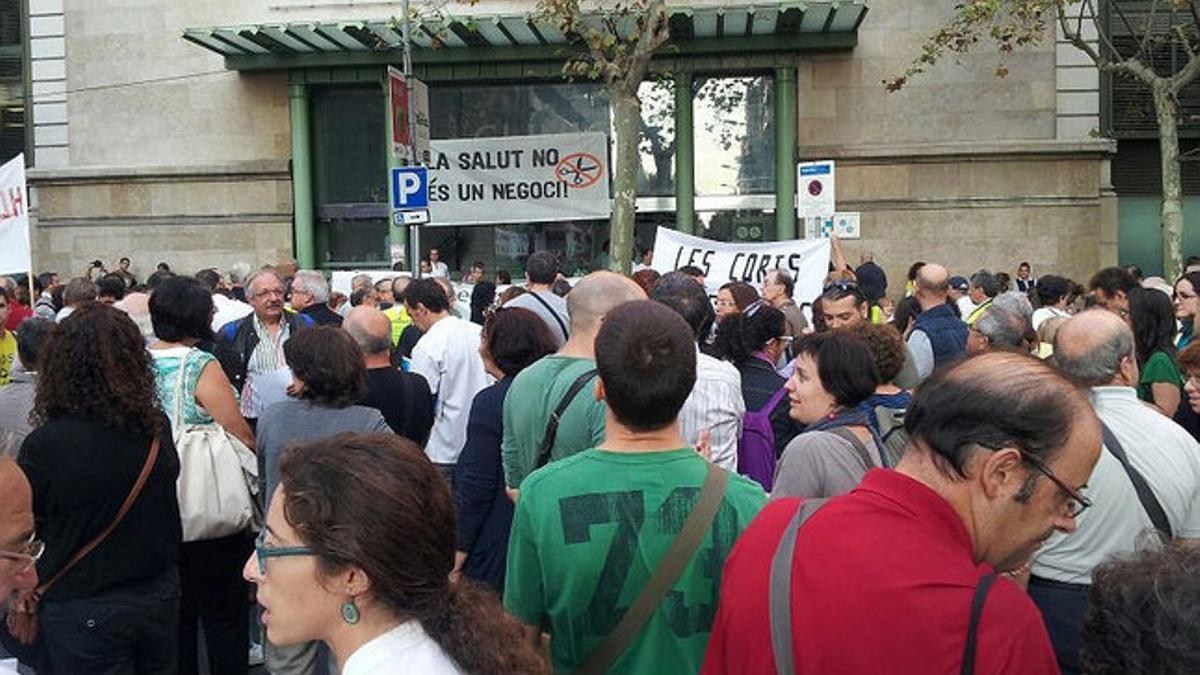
{"x": 16, "y": 255}
{"x": 807, "y": 261}
{"x": 410, "y": 138}
{"x": 519, "y": 179}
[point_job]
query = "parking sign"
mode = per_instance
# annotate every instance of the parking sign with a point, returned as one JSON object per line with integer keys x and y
{"x": 410, "y": 188}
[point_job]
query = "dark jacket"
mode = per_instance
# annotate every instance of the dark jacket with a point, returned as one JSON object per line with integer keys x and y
{"x": 485, "y": 512}
{"x": 320, "y": 313}
{"x": 947, "y": 334}
{"x": 236, "y": 342}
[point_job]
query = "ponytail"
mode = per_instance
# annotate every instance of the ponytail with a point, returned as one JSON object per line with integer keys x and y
{"x": 474, "y": 630}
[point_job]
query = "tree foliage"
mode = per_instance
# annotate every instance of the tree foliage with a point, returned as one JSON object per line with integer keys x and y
{"x": 1126, "y": 42}
{"x": 618, "y": 41}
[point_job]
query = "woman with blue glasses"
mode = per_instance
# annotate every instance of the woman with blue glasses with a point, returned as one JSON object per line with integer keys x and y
{"x": 357, "y": 552}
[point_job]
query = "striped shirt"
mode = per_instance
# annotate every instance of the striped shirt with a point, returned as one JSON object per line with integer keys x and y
{"x": 715, "y": 404}
{"x": 266, "y": 359}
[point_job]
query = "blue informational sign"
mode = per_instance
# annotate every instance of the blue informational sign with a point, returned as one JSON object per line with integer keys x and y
{"x": 816, "y": 169}
{"x": 410, "y": 188}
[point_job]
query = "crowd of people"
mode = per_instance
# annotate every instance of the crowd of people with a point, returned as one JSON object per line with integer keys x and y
{"x": 980, "y": 473}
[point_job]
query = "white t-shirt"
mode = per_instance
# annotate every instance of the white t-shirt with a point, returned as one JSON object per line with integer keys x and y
{"x": 228, "y": 310}
{"x": 1166, "y": 456}
{"x": 965, "y": 306}
{"x": 404, "y": 649}
{"x": 447, "y": 356}
{"x": 439, "y": 269}
{"x": 1043, "y": 314}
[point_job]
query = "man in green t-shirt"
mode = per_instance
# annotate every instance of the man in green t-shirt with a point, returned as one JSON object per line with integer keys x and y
{"x": 591, "y": 529}
{"x": 540, "y": 388}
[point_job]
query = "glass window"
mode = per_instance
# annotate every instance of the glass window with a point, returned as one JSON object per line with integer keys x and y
{"x": 13, "y": 136}
{"x": 656, "y": 173}
{"x": 737, "y": 225}
{"x": 734, "y": 128}
{"x": 481, "y": 111}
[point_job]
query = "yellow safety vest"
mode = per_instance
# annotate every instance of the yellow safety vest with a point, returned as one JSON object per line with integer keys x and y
{"x": 398, "y": 315}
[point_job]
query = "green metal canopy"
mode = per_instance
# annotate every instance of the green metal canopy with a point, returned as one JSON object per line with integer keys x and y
{"x": 705, "y": 30}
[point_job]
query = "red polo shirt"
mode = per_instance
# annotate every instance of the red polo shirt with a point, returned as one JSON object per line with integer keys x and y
{"x": 882, "y": 582}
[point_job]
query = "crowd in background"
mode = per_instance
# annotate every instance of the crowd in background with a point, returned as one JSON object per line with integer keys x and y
{"x": 976, "y": 472}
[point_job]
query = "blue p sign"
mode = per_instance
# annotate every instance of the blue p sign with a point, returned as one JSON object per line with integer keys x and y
{"x": 410, "y": 188}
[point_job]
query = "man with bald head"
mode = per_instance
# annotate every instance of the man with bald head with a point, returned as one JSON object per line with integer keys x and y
{"x": 1096, "y": 348}
{"x": 563, "y": 380}
{"x": 403, "y": 398}
{"x": 1001, "y": 447}
{"x": 939, "y": 337}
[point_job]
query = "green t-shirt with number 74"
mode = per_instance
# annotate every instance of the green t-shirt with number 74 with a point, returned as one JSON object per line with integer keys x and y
{"x": 590, "y": 530}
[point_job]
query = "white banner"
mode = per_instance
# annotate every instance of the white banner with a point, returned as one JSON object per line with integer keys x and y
{"x": 807, "y": 261}
{"x": 519, "y": 179}
{"x": 15, "y": 252}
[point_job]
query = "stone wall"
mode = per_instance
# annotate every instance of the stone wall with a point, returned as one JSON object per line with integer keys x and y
{"x": 980, "y": 205}
{"x": 188, "y": 217}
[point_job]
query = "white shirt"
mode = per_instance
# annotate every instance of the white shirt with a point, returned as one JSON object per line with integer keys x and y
{"x": 63, "y": 313}
{"x": 965, "y": 306}
{"x": 439, "y": 269}
{"x": 715, "y": 404}
{"x": 228, "y": 310}
{"x": 1166, "y": 456}
{"x": 447, "y": 356}
{"x": 921, "y": 350}
{"x": 404, "y": 649}
{"x": 1043, "y": 314}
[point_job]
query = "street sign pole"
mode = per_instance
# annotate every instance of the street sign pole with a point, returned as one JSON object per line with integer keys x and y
{"x": 414, "y": 236}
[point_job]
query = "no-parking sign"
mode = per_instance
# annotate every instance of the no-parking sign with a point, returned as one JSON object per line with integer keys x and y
{"x": 815, "y": 191}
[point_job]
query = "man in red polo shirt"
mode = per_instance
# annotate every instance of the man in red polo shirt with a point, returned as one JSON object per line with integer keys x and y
{"x": 883, "y": 580}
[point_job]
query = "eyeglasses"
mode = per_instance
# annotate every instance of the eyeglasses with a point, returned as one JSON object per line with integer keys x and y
{"x": 1076, "y": 502}
{"x": 262, "y": 551}
{"x": 31, "y": 552}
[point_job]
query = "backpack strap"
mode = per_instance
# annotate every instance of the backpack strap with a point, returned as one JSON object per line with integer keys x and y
{"x": 682, "y": 549}
{"x": 1145, "y": 495}
{"x": 852, "y": 438}
{"x": 981, "y": 592}
{"x": 774, "y": 400}
{"x": 780, "y": 601}
{"x": 547, "y": 445}
{"x": 557, "y": 319}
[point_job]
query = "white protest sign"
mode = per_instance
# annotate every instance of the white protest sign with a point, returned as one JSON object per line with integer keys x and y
{"x": 806, "y": 260}
{"x": 15, "y": 251}
{"x": 815, "y": 189}
{"x": 519, "y": 179}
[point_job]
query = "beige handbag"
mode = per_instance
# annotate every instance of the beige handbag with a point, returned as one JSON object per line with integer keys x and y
{"x": 218, "y": 476}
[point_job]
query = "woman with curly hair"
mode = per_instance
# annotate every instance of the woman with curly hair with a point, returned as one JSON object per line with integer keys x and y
{"x": 357, "y": 553}
{"x": 99, "y": 425}
{"x": 329, "y": 378}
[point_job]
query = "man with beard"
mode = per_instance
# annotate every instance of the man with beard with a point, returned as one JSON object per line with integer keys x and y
{"x": 1147, "y": 479}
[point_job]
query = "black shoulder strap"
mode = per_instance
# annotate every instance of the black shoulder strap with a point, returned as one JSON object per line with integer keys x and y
{"x": 981, "y": 592}
{"x": 557, "y": 319}
{"x": 859, "y": 447}
{"x": 552, "y": 427}
{"x": 780, "y": 602}
{"x": 1145, "y": 495}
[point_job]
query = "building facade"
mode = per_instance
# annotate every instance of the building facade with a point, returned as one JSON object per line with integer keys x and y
{"x": 207, "y": 133}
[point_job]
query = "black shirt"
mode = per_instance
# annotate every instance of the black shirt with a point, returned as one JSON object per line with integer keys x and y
{"x": 405, "y": 401}
{"x": 320, "y": 313}
{"x": 81, "y": 473}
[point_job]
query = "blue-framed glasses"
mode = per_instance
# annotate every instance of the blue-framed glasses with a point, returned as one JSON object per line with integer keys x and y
{"x": 262, "y": 551}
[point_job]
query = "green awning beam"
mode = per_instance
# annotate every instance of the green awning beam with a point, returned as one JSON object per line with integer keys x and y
{"x": 788, "y": 27}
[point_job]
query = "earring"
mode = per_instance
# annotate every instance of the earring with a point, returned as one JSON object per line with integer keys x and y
{"x": 350, "y": 612}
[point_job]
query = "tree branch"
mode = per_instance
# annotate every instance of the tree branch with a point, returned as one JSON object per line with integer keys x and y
{"x": 1145, "y": 43}
{"x": 1187, "y": 74}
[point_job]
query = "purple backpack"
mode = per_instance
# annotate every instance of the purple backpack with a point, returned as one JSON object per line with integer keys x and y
{"x": 756, "y": 446}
